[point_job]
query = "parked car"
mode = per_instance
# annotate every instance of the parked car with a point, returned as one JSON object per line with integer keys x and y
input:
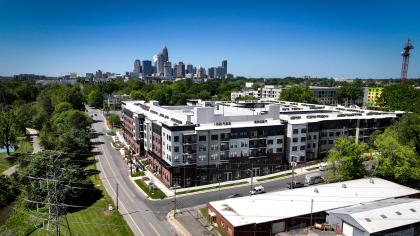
{"x": 296, "y": 184}
{"x": 100, "y": 133}
{"x": 233, "y": 195}
{"x": 96, "y": 115}
{"x": 322, "y": 167}
{"x": 86, "y": 110}
{"x": 258, "y": 190}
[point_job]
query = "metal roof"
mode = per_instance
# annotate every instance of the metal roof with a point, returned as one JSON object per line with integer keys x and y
{"x": 291, "y": 203}
{"x": 383, "y": 215}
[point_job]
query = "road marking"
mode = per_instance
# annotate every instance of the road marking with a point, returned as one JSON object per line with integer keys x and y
{"x": 112, "y": 169}
{"x": 154, "y": 229}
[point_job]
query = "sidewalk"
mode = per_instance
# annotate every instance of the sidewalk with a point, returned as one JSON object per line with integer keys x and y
{"x": 171, "y": 193}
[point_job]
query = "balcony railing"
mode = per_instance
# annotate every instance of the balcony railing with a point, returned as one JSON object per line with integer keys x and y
{"x": 224, "y": 139}
{"x": 190, "y": 141}
{"x": 186, "y": 152}
{"x": 224, "y": 148}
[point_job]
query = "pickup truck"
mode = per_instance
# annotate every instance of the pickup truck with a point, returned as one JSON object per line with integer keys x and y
{"x": 296, "y": 184}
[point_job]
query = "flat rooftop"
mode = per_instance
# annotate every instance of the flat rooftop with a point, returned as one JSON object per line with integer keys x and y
{"x": 292, "y": 203}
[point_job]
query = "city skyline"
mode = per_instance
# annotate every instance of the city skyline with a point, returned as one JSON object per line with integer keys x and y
{"x": 273, "y": 40}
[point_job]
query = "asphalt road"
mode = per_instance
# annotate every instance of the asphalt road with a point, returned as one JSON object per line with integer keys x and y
{"x": 147, "y": 217}
{"x": 132, "y": 204}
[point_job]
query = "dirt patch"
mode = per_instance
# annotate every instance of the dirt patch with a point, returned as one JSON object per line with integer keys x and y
{"x": 107, "y": 212}
{"x": 103, "y": 199}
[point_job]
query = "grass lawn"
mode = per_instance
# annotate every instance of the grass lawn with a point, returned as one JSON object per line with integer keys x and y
{"x": 6, "y": 163}
{"x": 216, "y": 186}
{"x": 312, "y": 168}
{"x": 274, "y": 177}
{"x": 101, "y": 221}
{"x": 112, "y": 133}
{"x": 137, "y": 174}
{"x": 157, "y": 194}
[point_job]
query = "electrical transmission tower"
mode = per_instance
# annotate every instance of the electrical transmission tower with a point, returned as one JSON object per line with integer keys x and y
{"x": 406, "y": 57}
{"x": 57, "y": 220}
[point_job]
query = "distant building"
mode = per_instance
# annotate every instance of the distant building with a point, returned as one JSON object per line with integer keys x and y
{"x": 73, "y": 75}
{"x": 306, "y": 77}
{"x": 165, "y": 54}
{"x": 160, "y": 63}
{"x": 89, "y": 75}
{"x": 63, "y": 81}
{"x": 249, "y": 84}
{"x": 370, "y": 96}
{"x": 200, "y": 72}
{"x": 224, "y": 66}
{"x": 229, "y": 76}
{"x": 210, "y": 72}
{"x": 190, "y": 69}
{"x": 134, "y": 75}
{"x": 194, "y": 70}
{"x": 155, "y": 60}
{"x": 99, "y": 74}
{"x": 167, "y": 70}
{"x": 174, "y": 71}
{"x": 137, "y": 66}
{"x": 180, "y": 69}
{"x": 147, "y": 67}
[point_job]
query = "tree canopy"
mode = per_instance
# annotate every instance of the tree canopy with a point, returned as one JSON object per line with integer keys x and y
{"x": 348, "y": 93}
{"x": 302, "y": 94}
{"x": 399, "y": 97}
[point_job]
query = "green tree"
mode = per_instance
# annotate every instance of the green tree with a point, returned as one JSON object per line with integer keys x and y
{"x": 372, "y": 138}
{"x": 256, "y": 86}
{"x": 114, "y": 120}
{"x": 302, "y": 94}
{"x": 246, "y": 98}
{"x": 137, "y": 95}
{"x": 348, "y": 93}
{"x": 396, "y": 162}
{"x": 204, "y": 95}
{"x": 75, "y": 98}
{"x": 62, "y": 107}
{"x": 345, "y": 160}
{"x": 74, "y": 141}
{"x": 47, "y": 105}
{"x": 95, "y": 98}
{"x": 399, "y": 97}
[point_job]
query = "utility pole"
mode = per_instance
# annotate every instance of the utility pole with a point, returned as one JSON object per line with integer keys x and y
{"x": 312, "y": 204}
{"x": 293, "y": 172}
{"x": 175, "y": 202}
{"x": 117, "y": 199}
{"x": 252, "y": 176}
{"x": 220, "y": 195}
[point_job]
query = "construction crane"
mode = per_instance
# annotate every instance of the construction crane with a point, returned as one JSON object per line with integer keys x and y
{"x": 406, "y": 56}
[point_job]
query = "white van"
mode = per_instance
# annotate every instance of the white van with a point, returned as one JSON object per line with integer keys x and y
{"x": 313, "y": 178}
{"x": 257, "y": 190}
{"x": 322, "y": 167}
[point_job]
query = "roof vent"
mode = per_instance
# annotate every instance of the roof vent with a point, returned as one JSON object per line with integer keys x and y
{"x": 398, "y": 213}
{"x": 371, "y": 181}
{"x": 368, "y": 220}
{"x": 344, "y": 186}
{"x": 383, "y": 216}
{"x": 412, "y": 210}
{"x": 316, "y": 190}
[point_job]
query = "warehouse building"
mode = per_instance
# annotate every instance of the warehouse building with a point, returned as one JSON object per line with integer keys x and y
{"x": 271, "y": 213}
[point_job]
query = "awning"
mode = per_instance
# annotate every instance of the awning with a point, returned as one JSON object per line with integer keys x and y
{"x": 212, "y": 214}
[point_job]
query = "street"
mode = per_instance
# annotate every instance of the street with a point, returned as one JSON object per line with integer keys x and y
{"x": 147, "y": 217}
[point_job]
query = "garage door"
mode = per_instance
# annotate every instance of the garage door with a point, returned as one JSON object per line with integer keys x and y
{"x": 347, "y": 229}
{"x": 278, "y": 227}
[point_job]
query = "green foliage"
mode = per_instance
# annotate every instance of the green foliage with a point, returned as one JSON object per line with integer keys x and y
{"x": 114, "y": 120}
{"x": 137, "y": 95}
{"x": 246, "y": 98}
{"x": 345, "y": 160}
{"x": 137, "y": 174}
{"x": 11, "y": 123}
{"x": 399, "y": 97}
{"x": 75, "y": 98}
{"x": 300, "y": 94}
{"x": 350, "y": 92}
{"x": 62, "y": 107}
{"x": 154, "y": 194}
{"x": 95, "y": 98}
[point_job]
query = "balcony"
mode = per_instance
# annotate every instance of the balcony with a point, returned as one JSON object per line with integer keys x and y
{"x": 189, "y": 141}
{"x": 262, "y": 145}
{"x": 253, "y": 145}
{"x": 187, "y": 152}
{"x": 189, "y": 160}
{"x": 262, "y": 136}
{"x": 224, "y": 139}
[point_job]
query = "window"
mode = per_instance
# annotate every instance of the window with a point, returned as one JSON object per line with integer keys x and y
{"x": 279, "y": 141}
{"x": 233, "y": 154}
{"x": 214, "y": 156}
{"x": 294, "y": 148}
{"x": 315, "y": 137}
{"x": 238, "y": 174}
{"x": 278, "y": 168}
{"x": 239, "y": 164}
{"x": 302, "y": 147}
{"x": 244, "y": 153}
{"x": 222, "y": 136}
{"x": 295, "y": 131}
{"x": 202, "y": 157}
{"x": 169, "y": 138}
{"x": 330, "y": 141}
{"x": 202, "y": 138}
{"x": 177, "y": 170}
{"x": 265, "y": 161}
{"x": 278, "y": 159}
{"x": 215, "y": 147}
{"x": 247, "y": 172}
{"x": 233, "y": 135}
{"x": 228, "y": 166}
{"x": 303, "y": 131}
{"x": 176, "y": 139}
{"x": 214, "y": 137}
{"x": 309, "y": 145}
{"x": 176, "y": 149}
{"x": 295, "y": 140}
{"x": 279, "y": 149}
{"x": 218, "y": 177}
{"x": 244, "y": 144}
{"x": 269, "y": 150}
{"x": 222, "y": 223}
{"x": 337, "y": 133}
{"x": 218, "y": 166}
{"x": 204, "y": 178}
{"x": 176, "y": 159}
{"x": 169, "y": 148}
{"x": 233, "y": 145}
{"x": 270, "y": 141}
{"x": 314, "y": 145}
{"x": 265, "y": 169}
{"x": 303, "y": 139}
{"x": 202, "y": 148}
{"x": 247, "y": 163}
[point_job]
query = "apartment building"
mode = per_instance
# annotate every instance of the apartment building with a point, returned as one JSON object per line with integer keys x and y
{"x": 207, "y": 142}
{"x": 269, "y": 91}
{"x": 370, "y": 96}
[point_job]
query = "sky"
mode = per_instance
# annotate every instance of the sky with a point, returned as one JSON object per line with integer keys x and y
{"x": 270, "y": 39}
